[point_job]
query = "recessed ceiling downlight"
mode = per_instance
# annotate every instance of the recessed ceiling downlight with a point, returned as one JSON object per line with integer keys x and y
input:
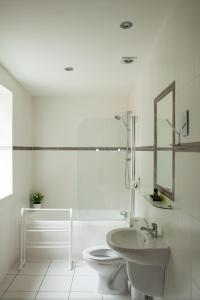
{"x": 128, "y": 59}
{"x": 69, "y": 69}
{"x": 126, "y": 25}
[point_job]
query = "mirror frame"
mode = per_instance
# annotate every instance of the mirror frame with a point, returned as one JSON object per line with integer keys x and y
{"x": 162, "y": 189}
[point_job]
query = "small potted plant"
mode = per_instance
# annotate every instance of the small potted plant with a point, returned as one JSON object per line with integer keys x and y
{"x": 37, "y": 199}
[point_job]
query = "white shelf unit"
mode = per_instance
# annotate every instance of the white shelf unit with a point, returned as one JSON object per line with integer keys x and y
{"x": 26, "y": 228}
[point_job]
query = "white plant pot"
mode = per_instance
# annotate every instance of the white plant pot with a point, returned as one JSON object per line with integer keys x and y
{"x": 37, "y": 205}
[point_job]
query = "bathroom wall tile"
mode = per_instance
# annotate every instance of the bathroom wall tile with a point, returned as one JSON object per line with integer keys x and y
{"x": 187, "y": 98}
{"x": 34, "y": 269}
{"x": 173, "y": 49}
{"x": 177, "y": 231}
{"x": 174, "y": 56}
{"x": 176, "y": 227}
{"x": 105, "y": 180}
{"x": 61, "y": 173}
{"x": 52, "y": 296}
{"x": 195, "y": 252}
{"x": 195, "y": 292}
{"x": 178, "y": 279}
{"x": 84, "y": 284}
{"x": 185, "y": 40}
{"x": 144, "y": 170}
{"x": 145, "y": 120}
{"x": 188, "y": 183}
{"x": 179, "y": 35}
{"x": 56, "y": 284}
{"x": 19, "y": 296}
{"x": 197, "y": 54}
{"x": 104, "y": 168}
{"x": 26, "y": 283}
{"x": 197, "y": 38}
{"x": 48, "y": 166}
{"x": 73, "y": 115}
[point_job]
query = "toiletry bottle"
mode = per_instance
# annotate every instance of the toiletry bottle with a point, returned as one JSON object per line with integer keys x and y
{"x": 156, "y": 197}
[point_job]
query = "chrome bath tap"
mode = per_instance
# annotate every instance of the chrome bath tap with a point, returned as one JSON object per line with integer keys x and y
{"x": 152, "y": 231}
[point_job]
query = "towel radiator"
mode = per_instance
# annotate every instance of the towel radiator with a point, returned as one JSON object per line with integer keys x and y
{"x": 27, "y": 228}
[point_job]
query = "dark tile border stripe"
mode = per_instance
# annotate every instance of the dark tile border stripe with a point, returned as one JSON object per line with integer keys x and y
{"x": 188, "y": 147}
{"x": 184, "y": 147}
{"x": 145, "y": 148}
{"x": 70, "y": 148}
{"x": 22, "y": 148}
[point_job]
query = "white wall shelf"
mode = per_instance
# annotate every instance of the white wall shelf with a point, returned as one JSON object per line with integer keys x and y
{"x": 165, "y": 204}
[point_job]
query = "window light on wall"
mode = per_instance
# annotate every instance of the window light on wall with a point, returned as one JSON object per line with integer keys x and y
{"x": 6, "y": 165}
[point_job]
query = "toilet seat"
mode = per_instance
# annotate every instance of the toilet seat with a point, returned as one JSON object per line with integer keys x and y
{"x": 111, "y": 270}
{"x": 101, "y": 254}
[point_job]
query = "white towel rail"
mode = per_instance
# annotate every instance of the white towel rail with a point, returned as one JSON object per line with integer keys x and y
{"x": 26, "y": 228}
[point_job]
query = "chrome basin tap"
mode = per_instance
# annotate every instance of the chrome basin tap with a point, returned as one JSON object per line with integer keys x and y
{"x": 152, "y": 231}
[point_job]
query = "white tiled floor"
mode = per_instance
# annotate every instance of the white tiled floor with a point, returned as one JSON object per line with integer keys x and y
{"x": 34, "y": 269}
{"x": 61, "y": 283}
{"x": 5, "y": 283}
{"x": 84, "y": 283}
{"x": 40, "y": 280}
{"x": 26, "y": 283}
{"x": 59, "y": 269}
{"x": 20, "y": 295}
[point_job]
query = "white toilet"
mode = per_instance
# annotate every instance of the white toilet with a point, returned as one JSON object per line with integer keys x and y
{"x": 111, "y": 269}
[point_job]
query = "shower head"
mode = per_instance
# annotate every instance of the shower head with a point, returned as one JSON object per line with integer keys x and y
{"x": 117, "y": 117}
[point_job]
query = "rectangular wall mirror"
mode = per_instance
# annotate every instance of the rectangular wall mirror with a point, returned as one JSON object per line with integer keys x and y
{"x": 164, "y": 141}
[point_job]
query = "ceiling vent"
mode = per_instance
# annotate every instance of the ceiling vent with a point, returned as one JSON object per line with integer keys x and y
{"x": 126, "y": 25}
{"x": 128, "y": 59}
{"x": 69, "y": 69}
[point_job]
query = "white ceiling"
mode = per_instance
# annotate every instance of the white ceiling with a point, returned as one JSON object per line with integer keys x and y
{"x": 39, "y": 38}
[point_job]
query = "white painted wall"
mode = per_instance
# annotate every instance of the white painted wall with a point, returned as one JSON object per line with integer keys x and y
{"x": 175, "y": 55}
{"x": 79, "y": 179}
{"x": 10, "y": 206}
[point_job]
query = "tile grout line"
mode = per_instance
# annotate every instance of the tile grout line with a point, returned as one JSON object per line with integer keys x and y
{"x": 101, "y": 296}
{"x": 72, "y": 280}
{"x": 43, "y": 279}
{"x": 4, "y": 292}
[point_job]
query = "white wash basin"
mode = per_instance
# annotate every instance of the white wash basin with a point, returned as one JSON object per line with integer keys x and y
{"x": 146, "y": 258}
{"x": 139, "y": 247}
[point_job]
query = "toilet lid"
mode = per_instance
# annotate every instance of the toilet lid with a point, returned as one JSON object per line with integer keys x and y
{"x": 101, "y": 253}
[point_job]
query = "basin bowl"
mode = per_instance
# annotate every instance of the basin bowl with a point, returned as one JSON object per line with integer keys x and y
{"x": 136, "y": 246}
{"x": 146, "y": 258}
